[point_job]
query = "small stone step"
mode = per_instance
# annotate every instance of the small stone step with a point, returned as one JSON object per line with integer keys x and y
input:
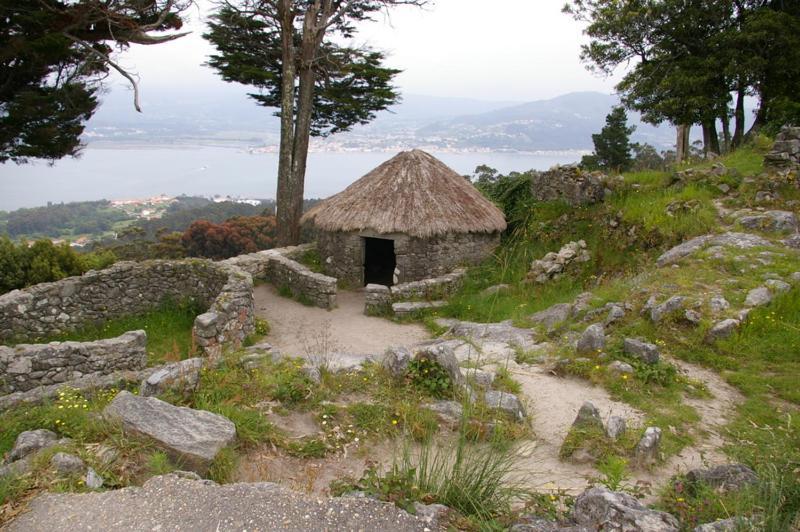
{"x": 407, "y": 308}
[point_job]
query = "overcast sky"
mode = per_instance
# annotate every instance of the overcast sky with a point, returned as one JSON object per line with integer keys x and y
{"x": 486, "y": 49}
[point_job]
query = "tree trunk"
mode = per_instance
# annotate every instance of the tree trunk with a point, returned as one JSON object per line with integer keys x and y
{"x": 738, "y": 128}
{"x": 710, "y": 138}
{"x": 726, "y": 132}
{"x": 761, "y": 117}
{"x": 283, "y": 201}
{"x": 682, "y": 143}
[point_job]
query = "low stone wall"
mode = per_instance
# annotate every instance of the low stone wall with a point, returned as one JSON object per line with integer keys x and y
{"x": 27, "y": 366}
{"x": 277, "y": 267}
{"x": 124, "y": 289}
{"x": 568, "y": 183}
{"x": 785, "y": 153}
{"x": 379, "y": 298}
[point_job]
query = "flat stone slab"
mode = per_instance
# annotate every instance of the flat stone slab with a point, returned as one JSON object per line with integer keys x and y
{"x": 736, "y": 240}
{"x": 171, "y": 502}
{"x": 407, "y": 308}
{"x": 191, "y": 437}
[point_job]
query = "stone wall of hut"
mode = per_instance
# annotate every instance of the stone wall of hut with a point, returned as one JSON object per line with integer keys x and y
{"x": 342, "y": 254}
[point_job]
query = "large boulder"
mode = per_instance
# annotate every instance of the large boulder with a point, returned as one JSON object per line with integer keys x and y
{"x": 182, "y": 377}
{"x": 726, "y": 477}
{"x": 646, "y": 352}
{"x": 599, "y": 508}
{"x": 192, "y": 437}
{"x": 593, "y": 339}
{"x": 31, "y": 441}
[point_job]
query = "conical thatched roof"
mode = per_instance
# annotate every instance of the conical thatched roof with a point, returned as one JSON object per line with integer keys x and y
{"x": 412, "y": 193}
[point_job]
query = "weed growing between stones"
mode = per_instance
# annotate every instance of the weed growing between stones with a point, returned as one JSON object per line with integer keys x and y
{"x": 430, "y": 378}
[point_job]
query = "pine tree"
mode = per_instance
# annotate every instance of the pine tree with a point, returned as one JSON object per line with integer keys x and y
{"x": 612, "y": 146}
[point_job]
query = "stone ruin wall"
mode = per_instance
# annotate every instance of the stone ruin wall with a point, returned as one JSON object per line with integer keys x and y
{"x": 568, "y": 183}
{"x": 785, "y": 153}
{"x": 379, "y": 298}
{"x": 417, "y": 258}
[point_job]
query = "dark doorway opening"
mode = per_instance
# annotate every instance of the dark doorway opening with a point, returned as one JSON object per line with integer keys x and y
{"x": 379, "y": 261}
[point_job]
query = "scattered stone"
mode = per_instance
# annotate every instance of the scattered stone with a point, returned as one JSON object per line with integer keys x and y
{"x": 693, "y": 317}
{"x": 485, "y": 334}
{"x": 673, "y": 304}
{"x": 442, "y": 354}
{"x": 192, "y": 437}
{"x": 616, "y": 427}
{"x": 505, "y": 402}
{"x": 732, "y": 524}
{"x": 67, "y": 464}
{"x": 737, "y": 240}
{"x": 726, "y": 477}
{"x": 588, "y": 415}
{"x": 31, "y": 441}
{"x": 722, "y": 329}
{"x": 647, "y": 450}
{"x": 482, "y": 378}
{"x": 431, "y": 514}
{"x": 395, "y": 360}
{"x": 16, "y": 468}
{"x": 93, "y": 480}
{"x": 646, "y": 352}
{"x": 796, "y": 277}
{"x": 449, "y": 412}
{"x": 772, "y": 221}
{"x": 182, "y": 377}
{"x": 256, "y": 360}
{"x": 593, "y": 339}
{"x": 532, "y": 523}
{"x": 724, "y": 188}
{"x": 553, "y": 265}
{"x": 778, "y": 286}
{"x": 615, "y": 313}
{"x": 792, "y": 242}
{"x": 599, "y": 508}
{"x": 758, "y": 297}
{"x": 408, "y": 308}
{"x": 553, "y": 316}
{"x": 718, "y": 304}
{"x": 495, "y": 289}
{"x": 620, "y": 367}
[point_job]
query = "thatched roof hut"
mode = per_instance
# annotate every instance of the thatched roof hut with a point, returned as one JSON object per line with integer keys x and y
{"x": 432, "y": 218}
{"x": 413, "y": 193}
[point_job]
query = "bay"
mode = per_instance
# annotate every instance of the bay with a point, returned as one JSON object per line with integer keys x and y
{"x": 141, "y": 172}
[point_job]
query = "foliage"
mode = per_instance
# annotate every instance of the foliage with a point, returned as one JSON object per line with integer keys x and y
{"x": 23, "y": 265}
{"x": 612, "y": 146}
{"x": 430, "y": 377}
{"x": 54, "y": 55}
{"x": 230, "y": 238}
{"x": 512, "y": 192}
{"x": 63, "y": 219}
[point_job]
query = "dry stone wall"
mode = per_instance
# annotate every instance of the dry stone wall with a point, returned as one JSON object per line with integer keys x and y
{"x": 785, "y": 153}
{"x": 568, "y": 183}
{"x": 28, "y": 366}
{"x": 278, "y": 267}
{"x": 379, "y": 298}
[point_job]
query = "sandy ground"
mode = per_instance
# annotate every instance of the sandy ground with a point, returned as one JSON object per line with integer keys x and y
{"x": 298, "y": 330}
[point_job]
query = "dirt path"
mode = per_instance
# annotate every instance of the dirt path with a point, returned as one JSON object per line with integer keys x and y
{"x": 299, "y": 330}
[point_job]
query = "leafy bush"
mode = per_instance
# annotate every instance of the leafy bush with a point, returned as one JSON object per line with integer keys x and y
{"x": 429, "y": 377}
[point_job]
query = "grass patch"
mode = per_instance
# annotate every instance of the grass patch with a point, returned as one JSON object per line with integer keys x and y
{"x": 168, "y": 328}
{"x": 311, "y": 259}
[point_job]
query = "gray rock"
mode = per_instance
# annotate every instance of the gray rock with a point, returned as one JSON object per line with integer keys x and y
{"x": 692, "y": 317}
{"x": 732, "y": 524}
{"x": 736, "y": 240}
{"x": 482, "y": 333}
{"x": 778, "y": 286}
{"x": 722, "y": 329}
{"x": 505, "y": 402}
{"x": 192, "y": 437}
{"x": 93, "y": 480}
{"x": 16, "y": 468}
{"x": 442, "y": 354}
{"x": 395, "y": 360}
{"x": 616, "y": 427}
{"x": 792, "y": 242}
{"x": 67, "y": 464}
{"x": 449, "y": 412}
{"x": 796, "y": 277}
{"x": 615, "y": 313}
{"x": 31, "y": 441}
{"x": 718, "y": 304}
{"x": 593, "y": 339}
{"x": 758, "y": 297}
{"x": 646, "y": 352}
{"x": 726, "y": 477}
{"x": 432, "y": 514}
{"x": 775, "y": 221}
{"x": 495, "y": 289}
{"x": 181, "y": 377}
{"x": 552, "y": 316}
{"x": 408, "y": 308}
{"x": 588, "y": 415}
{"x": 257, "y": 359}
{"x": 659, "y": 312}
{"x": 620, "y": 367}
{"x": 482, "y": 378}
{"x": 599, "y": 508}
{"x": 648, "y": 448}
{"x": 312, "y": 373}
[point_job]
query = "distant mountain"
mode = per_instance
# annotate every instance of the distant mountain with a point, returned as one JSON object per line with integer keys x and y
{"x": 225, "y": 115}
{"x": 564, "y": 122}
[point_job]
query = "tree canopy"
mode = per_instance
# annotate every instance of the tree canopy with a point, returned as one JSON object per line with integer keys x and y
{"x": 53, "y": 56}
{"x": 612, "y": 146}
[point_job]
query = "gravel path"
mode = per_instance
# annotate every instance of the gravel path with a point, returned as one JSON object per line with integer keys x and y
{"x": 299, "y": 330}
{"x": 171, "y": 503}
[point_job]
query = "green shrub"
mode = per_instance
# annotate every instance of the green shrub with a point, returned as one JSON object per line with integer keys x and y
{"x": 430, "y": 377}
